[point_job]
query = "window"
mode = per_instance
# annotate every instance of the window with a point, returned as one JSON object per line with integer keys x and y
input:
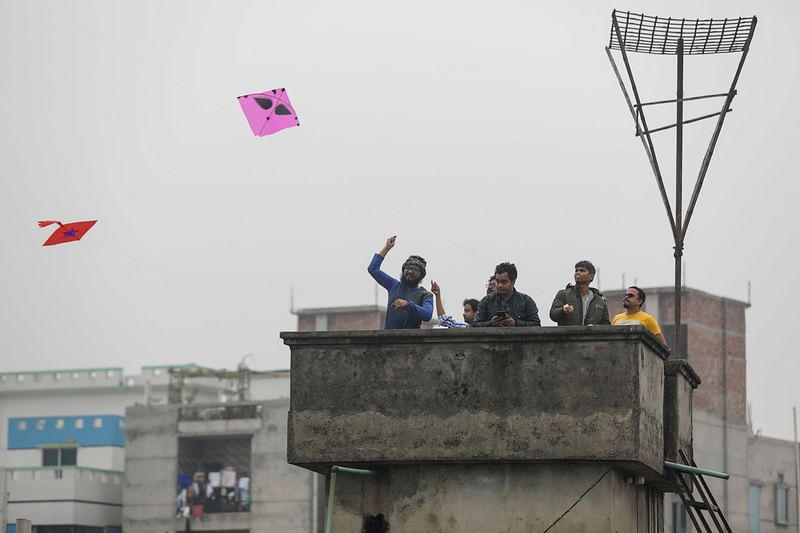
{"x": 57, "y": 376}
{"x": 678, "y": 518}
{"x": 93, "y": 374}
{"x": 225, "y": 461}
{"x": 98, "y": 422}
{"x": 781, "y": 503}
{"x": 121, "y": 423}
{"x": 59, "y": 457}
{"x": 22, "y": 425}
{"x": 60, "y": 423}
{"x": 50, "y": 457}
{"x": 76, "y": 375}
{"x": 20, "y": 378}
{"x": 79, "y": 423}
{"x": 110, "y": 373}
{"x": 69, "y": 456}
{"x": 754, "y": 500}
{"x": 40, "y": 424}
{"x": 156, "y": 371}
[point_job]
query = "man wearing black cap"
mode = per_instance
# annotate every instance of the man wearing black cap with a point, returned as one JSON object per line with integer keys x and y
{"x": 579, "y": 304}
{"x": 409, "y": 304}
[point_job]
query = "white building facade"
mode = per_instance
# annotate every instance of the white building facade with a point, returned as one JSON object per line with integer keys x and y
{"x": 62, "y": 442}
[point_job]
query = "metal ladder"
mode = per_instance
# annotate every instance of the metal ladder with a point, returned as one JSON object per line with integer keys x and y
{"x": 688, "y": 475}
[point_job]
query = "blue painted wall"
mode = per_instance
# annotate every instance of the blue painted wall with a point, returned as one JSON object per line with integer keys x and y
{"x": 43, "y": 430}
{"x": 11, "y": 528}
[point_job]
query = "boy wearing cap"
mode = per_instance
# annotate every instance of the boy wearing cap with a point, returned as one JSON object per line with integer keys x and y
{"x": 579, "y": 304}
{"x": 409, "y": 304}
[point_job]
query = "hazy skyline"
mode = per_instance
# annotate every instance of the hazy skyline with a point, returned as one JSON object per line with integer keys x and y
{"x": 476, "y": 134}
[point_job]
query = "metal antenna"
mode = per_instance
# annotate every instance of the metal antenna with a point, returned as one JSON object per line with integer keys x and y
{"x": 640, "y": 33}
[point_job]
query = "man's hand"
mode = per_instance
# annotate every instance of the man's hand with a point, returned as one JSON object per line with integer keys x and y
{"x": 567, "y": 308}
{"x": 399, "y": 304}
{"x": 502, "y": 321}
{"x": 497, "y": 321}
{"x": 435, "y": 288}
{"x": 388, "y": 246}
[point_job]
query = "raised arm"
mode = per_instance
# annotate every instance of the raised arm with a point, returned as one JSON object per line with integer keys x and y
{"x": 384, "y": 280}
{"x": 388, "y": 246}
{"x": 437, "y": 293}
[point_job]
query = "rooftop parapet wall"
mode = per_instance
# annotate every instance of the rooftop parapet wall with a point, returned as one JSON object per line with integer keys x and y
{"x": 479, "y": 395}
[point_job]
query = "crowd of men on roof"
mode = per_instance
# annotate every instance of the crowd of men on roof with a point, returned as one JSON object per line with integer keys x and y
{"x": 503, "y": 306}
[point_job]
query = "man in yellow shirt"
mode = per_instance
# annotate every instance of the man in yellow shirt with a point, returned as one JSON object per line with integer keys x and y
{"x": 634, "y": 316}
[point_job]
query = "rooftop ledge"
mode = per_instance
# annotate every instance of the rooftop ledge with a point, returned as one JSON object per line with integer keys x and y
{"x": 487, "y": 395}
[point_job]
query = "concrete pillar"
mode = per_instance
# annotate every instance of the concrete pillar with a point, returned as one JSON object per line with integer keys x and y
{"x": 490, "y": 429}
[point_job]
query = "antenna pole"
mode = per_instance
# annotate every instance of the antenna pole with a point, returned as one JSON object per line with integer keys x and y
{"x": 676, "y": 346}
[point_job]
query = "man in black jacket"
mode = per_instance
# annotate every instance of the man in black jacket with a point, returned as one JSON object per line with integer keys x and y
{"x": 506, "y": 307}
{"x": 579, "y": 304}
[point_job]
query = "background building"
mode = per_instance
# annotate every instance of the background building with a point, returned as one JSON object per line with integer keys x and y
{"x": 62, "y": 437}
{"x": 232, "y": 455}
{"x": 760, "y": 496}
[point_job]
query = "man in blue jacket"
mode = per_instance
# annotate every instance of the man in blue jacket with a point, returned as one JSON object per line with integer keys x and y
{"x": 409, "y": 304}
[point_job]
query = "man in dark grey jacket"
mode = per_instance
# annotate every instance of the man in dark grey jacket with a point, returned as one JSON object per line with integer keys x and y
{"x": 506, "y": 307}
{"x": 579, "y": 304}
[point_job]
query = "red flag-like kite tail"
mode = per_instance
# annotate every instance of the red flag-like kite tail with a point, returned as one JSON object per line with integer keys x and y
{"x": 72, "y": 231}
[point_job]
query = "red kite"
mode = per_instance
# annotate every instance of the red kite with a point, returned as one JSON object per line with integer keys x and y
{"x": 72, "y": 231}
{"x": 268, "y": 112}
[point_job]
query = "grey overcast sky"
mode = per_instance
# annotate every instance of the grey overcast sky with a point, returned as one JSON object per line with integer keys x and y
{"x": 478, "y": 132}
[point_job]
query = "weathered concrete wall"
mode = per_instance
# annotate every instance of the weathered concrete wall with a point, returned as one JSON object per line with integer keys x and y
{"x": 680, "y": 381}
{"x": 482, "y": 395}
{"x": 283, "y": 497}
{"x": 715, "y": 343}
{"x": 151, "y": 468}
{"x": 510, "y": 498}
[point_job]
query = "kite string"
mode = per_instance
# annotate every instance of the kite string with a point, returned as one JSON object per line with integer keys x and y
{"x": 137, "y": 262}
{"x": 63, "y": 15}
{"x": 593, "y": 485}
{"x": 160, "y": 72}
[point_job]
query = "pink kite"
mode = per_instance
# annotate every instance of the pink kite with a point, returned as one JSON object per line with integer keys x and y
{"x": 268, "y": 112}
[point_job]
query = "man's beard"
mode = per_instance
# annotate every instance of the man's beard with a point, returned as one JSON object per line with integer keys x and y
{"x": 410, "y": 283}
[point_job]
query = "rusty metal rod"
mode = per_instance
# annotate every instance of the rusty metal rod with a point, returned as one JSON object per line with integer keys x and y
{"x": 689, "y": 99}
{"x": 696, "y": 470}
{"x": 696, "y": 119}
{"x": 676, "y": 347}
{"x": 650, "y": 149}
{"x": 711, "y": 145}
{"x": 332, "y": 490}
